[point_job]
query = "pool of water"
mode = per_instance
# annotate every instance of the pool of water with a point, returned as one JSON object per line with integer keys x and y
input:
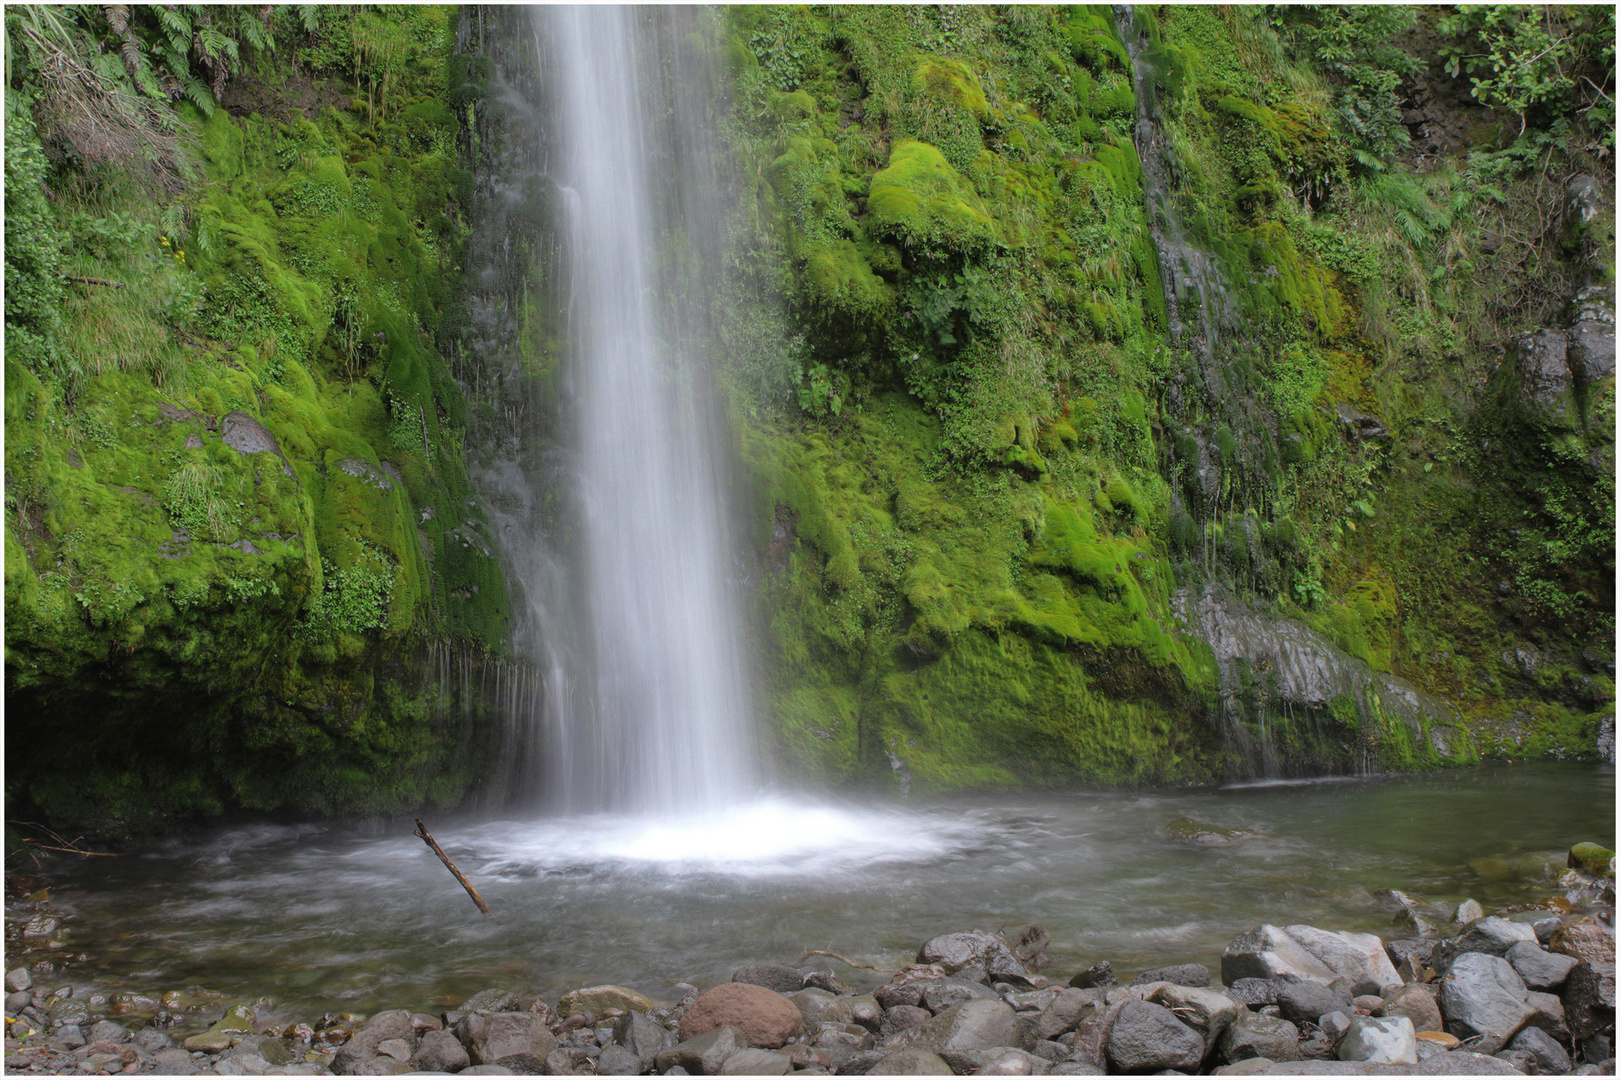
{"x": 340, "y": 918}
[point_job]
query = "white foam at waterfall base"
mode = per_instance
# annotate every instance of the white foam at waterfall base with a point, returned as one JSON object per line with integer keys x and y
{"x": 772, "y": 837}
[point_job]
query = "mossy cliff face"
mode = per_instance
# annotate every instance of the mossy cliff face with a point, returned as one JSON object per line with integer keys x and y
{"x": 239, "y": 533}
{"x": 1064, "y": 342}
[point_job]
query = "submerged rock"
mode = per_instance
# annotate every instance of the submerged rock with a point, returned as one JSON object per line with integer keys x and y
{"x": 1195, "y": 833}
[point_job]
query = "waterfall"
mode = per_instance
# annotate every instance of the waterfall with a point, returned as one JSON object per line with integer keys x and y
{"x": 655, "y": 714}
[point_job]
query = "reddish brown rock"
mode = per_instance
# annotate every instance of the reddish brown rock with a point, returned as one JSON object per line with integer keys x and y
{"x": 1584, "y": 939}
{"x": 762, "y": 1017}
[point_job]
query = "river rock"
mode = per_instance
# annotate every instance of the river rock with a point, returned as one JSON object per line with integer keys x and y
{"x": 489, "y": 1037}
{"x": 1382, "y": 1040}
{"x": 1099, "y": 975}
{"x": 643, "y": 1036}
{"x": 1358, "y": 958}
{"x": 1064, "y": 1013}
{"x": 1252, "y": 1035}
{"x": 941, "y": 994}
{"x": 751, "y": 1061}
{"x": 1194, "y": 833}
{"x": 490, "y": 1001}
{"x": 1540, "y": 969}
{"x": 896, "y": 994}
{"x": 1549, "y": 1056}
{"x": 1549, "y": 1014}
{"x": 912, "y": 1062}
{"x": 1417, "y": 1004}
{"x": 1492, "y": 935}
{"x": 903, "y": 1017}
{"x": 1255, "y": 992}
{"x": 778, "y": 977}
{"x": 616, "y": 1060}
{"x": 1268, "y": 952}
{"x": 1180, "y": 974}
{"x": 1589, "y": 999}
{"x": 1148, "y": 1037}
{"x": 999, "y": 1061}
{"x": 760, "y": 1017}
{"x": 972, "y": 1025}
{"x": 597, "y": 1000}
{"x": 237, "y": 1021}
{"x": 440, "y": 1051}
{"x": 107, "y": 1031}
{"x": 1593, "y": 859}
{"x": 1204, "y": 1011}
{"x": 1584, "y": 939}
{"x": 703, "y": 1054}
{"x": 1484, "y": 996}
{"x": 19, "y": 979}
{"x": 1307, "y": 1001}
{"x": 976, "y": 956}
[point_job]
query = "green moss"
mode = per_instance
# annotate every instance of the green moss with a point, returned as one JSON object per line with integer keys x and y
{"x": 919, "y": 200}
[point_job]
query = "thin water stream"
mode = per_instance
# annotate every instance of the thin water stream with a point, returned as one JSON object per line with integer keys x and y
{"x": 343, "y": 919}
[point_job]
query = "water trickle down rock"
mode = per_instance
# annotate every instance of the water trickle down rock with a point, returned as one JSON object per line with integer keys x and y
{"x": 1304, "y": 675}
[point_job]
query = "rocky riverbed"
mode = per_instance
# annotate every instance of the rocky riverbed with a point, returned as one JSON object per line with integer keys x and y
{"x": 1524, "y": 990}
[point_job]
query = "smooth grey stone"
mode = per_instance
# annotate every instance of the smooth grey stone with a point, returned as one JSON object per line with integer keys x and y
{"x": 1077, "y": 1068}
{"x": 1310, "y": 1001}
{"x": 17, "y": 1002}
{"x": 1065, "y": 1012}
{"x": 1269, "y": 952}
{"x": 1550, "y": 1057}
{"x": 151, "y": 1040}
{"x": 902, "y": 1017}
{"x": 617, "y": 1060}
{"x": 1255, "y": 992}
{"x": 69, "y": 1037}
{"x": 1180, "y": 974}
{"x": 492, "y": 1000}
{"x": 1358, "y": 958}
{"x": 1464, "y": 1063}
{"x": 1146, "y": 1037}
{"x": 1492, "y": 936}
{"x": 19, "y": 979}
{"x": 702, "y": 1054}
{"x": 975, "y": 951}
{"x": 1484, "y": 996}
{"x": 973, "y": 1025}
{"x": 941, "y": 994}
{"x": 489, "y": 1037}
{"x": 1205, "y": 1011}
{"x": 485, "y": 1070}
{"x": 912, "y": 1062}
{"x": 440, "y": 1051}
{"x": 1540, "y": 969}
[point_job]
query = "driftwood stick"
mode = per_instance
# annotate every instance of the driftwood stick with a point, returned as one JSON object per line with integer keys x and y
{"x": 427, "y": 838}
{"x": 94, "y": 281}
{"x": 835, "y": 956}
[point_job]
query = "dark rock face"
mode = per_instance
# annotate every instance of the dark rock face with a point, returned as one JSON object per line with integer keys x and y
{"x": 1252, "y": 1036}
{"x": 1180, "y": 974}
{"x": 1309, "y": 1001}
{"x": 974, "y": 956}
{"x": 1484, "y": 997}
{"x": 1100, "y": 974}
{"x": 1147, "y": 1038}
{"x": 1589, "y": 999}
{"x": 1540, "y": 969}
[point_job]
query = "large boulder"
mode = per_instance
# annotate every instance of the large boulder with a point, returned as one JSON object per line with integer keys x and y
{"x": 1549, "y": 1056}
{"x": 1065, "y": 1012}
{"x": 760, "y": 1017}
{"x": 1148, "y": 1037}
{"x": 973, "y": 1025}
{"x": 975, "y": 956}
{"x": 489, "y": 1037}
{"x": 1417, "y": 1004}
{"x": 1484, "y": 998}
{"x": 362, "y": 1046}
{"x": 1382, "y": 1040}
{"x": 1589, "y": 858}
{"x": 642, "y": 1036}
{"x": 1589, "y": 999}
{"x": 1492, "y": 935}
{"x": 1584, "y": 939}
{"x": 1358, "y": 958}
{"x": 1540, "y": 969}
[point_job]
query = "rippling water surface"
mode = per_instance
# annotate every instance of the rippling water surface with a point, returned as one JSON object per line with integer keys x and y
{"x": 340, "y": 918}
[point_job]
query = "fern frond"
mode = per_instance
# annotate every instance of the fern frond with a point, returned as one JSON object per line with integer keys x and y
{"x": 176, "y": 26}
{"x": 198, "y": 94}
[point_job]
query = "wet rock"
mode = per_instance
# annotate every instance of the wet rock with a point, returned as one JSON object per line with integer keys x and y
{"x": 1492, "y": 936}
{"x": 1484, "y": 996}
{"x": 1358, "y": 958}
{"x": 1417, "y": 1004}
{"x": 1100, "y": 974}
{"x": 1467, "y": 912}
{"x": 17, "y": 1002}
{"x": 19, "y": 979}
{"x": 1028, "y": 1001}
{"x": 1549, "y": 1057}
{"x": 151, "y": 1040}
{"x": 1382, "y": 1040}
{"x": 826, "y": 980}
{"x": 1148, "y": 1037}
{"x": 975, "y": 956}
{"x": 70, "y": 1037}
{"x": 597, "y": 1000}
{"x": 1307, "y": 1001}
{"x": 912, "y": 1062}
{"x": 107, "y": 1031}
{"x": 490, "y": 1037}
{"x": 782, "y": 979}
{"x": 972, "y": 1025}
{"x": 40, "y": 926}
{"x": 643, "y": 1036}
{"x": 489, "y": 1001}
{"x": 1589, "y": 999}
{"x": 1195, "y": 833}
{"x": 1545, "y": 382}
{"x": 1540, "y": 969}
{"x": 760, "y": 1017}
{"x": 896, "y": 994}
{"x": 1549, "y": 1014}
{"x": 703, "y": 1054}
{"x": 902, "y": 1017}
{"x": 1584, "y": 939}
{"x": 1588, "y": 858}
{"x": 237, "y": 1021}
{"x": 1000, "y": 1061}
{"x": 1254, "y": 1036}
{"x": 941, "y": 994}
{"x": 1180, "y": 974}
{"x": 440, "y": 1051}
{"x": 485, "y": 1070}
